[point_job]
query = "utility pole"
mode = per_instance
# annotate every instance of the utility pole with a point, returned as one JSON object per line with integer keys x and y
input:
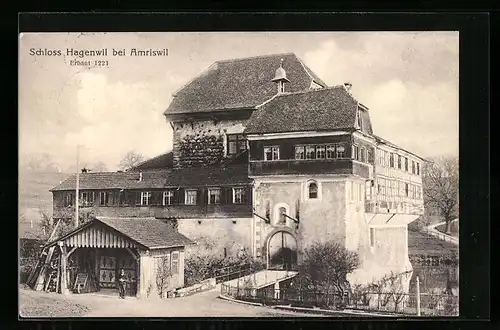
{"x": 77, "y": 185}
{"x": 418, "y": 296}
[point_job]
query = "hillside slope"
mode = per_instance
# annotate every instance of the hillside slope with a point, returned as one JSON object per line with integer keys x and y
{"x": 34, "y": 196}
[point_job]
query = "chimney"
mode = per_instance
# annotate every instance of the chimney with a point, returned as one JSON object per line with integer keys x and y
{"x": 348, "y": 86}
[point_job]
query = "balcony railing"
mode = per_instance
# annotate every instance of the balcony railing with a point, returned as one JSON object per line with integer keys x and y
{"x": 324, "y": 166}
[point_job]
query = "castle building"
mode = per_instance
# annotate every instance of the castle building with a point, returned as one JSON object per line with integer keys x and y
{"x": 269, "y": 159}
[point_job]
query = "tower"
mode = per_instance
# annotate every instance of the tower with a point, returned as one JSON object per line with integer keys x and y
{"x": 280, "y": 78}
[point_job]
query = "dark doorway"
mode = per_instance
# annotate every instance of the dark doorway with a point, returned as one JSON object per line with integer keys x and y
{"x": 282, "y": 252}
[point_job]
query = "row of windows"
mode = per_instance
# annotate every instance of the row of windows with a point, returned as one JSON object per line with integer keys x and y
{"x": 393, "y": 160}
{"x": 154, "y": 198}
{"x": 396, "y": 188}
{"x": 362, "y": 154}
{"x": 320, "y": 151}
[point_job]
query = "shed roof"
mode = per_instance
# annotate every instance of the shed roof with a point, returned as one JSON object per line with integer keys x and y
{"x": 240, "y": 83}
{"x": 318, "y": 109}
{"x": 151, "y": 233}
{"x": 158, "y": 179}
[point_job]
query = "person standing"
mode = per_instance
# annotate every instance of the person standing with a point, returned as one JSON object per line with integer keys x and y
{"x": 122, "y": 279}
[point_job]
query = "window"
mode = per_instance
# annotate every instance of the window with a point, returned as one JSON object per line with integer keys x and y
{"x": 320, "y": 152}
{"x": 418, "y": 168}
{"x": 406, "y": 164}
{"x": 238, "y": 195}
{"x": 369, "y": 156}
{"x": 372, "y": 237}
{"x": 362, "y": 154}
{"x": 355, "y": 152}
{"x": 69, "y": 199}
{"x": 340, "y": 151}
{"x": 360, "y": 192}
{"x": 168, "y": 197}
{"x": 145, "y": 196}
{"x": 400, "y": 158}
{"x": 281, "y": 86}
{"x": 391, "y": 160}
{"x": 310, "y": 152}
{"x": 175, "y": 262}
{"x": 381, "y": 157}
{"x": 413, "y": 170}
{"x": 330, "y": 151}
{"x": 271, "y": 153}
{"x": 103, "y": 198}
{"x": 407, "y": 192}
{"x": 282, "y": 217}
{"x": 313, "y": 190}
{"x": 351, "y": 188}
{"x": 236, "y": 143}
{"x": 368, "y": 190}
{"x": 86, "y": 198}
{"x": 299, "y": 152}
{"x": 214, "y": 196}
{"x": 191, "y": 197}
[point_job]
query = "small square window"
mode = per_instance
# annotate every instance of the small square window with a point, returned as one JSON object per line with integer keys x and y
{"x": 271, "y": 153}
{"x": 299, "y": 152}
{"x": 320, "y": 152}
{"x": 310, "y": 152}
{"x": 238, "y": 195}
{"x": 214, "y": 196}
{"x": 191, "y": 197}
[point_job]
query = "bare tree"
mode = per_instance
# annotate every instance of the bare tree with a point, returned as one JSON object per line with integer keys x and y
{"x": 163, "y": 275}
{"x": 130, "y": 159}
{"x": 99, "y": 167}
{"x": 440, "y": 185}
{"x": 325, "y": 268}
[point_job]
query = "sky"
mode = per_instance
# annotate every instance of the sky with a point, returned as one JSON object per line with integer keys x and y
{"x": 409, "y": 82}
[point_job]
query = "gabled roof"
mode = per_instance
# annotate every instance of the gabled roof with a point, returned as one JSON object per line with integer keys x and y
{"x": 162, "y": 161}
{"x": 330, "y": 108}
{"x": 151, "y": 233}
{"x": 240, "y": 84}
{"x": 195, "y": 177}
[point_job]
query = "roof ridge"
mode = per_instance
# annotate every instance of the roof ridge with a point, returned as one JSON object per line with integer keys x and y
{"x": 311, "y": 90}
{"x": 254, "y": 57}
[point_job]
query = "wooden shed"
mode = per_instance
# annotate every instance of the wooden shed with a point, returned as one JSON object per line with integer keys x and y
{"x": 149, "y": 250}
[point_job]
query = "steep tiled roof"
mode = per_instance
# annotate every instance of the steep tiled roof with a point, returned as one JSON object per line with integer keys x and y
{"x": 321, "y": 109}
{"x": 149, "y": 232}
{"x": 197, "y": 176}
{"x": 162, "y": 161}
{"x": 240, "y": 83}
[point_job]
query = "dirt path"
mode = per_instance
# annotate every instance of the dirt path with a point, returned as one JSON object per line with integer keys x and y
{"x": 206, "y": 304}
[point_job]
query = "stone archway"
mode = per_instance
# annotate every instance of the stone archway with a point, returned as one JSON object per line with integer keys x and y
{"x": 281, "y": 249}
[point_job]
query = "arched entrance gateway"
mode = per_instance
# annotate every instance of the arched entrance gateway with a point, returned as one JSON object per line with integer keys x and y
{"x": 281, "y": 252}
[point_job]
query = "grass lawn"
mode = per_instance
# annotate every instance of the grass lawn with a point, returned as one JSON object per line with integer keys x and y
{"x": 37, "y": 304}
{"x": 420, "y": 243}
{"x": 453, "y": 228}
